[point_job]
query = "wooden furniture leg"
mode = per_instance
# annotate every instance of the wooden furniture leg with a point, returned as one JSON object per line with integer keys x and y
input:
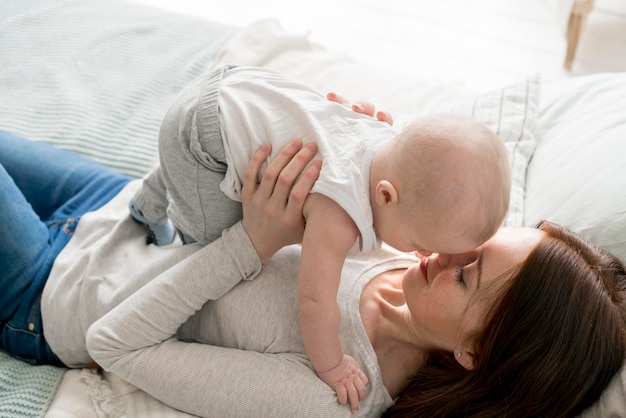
{"x": 577, "y": 19}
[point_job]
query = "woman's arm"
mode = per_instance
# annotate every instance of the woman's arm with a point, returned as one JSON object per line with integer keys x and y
{"x": 135, "y": 340}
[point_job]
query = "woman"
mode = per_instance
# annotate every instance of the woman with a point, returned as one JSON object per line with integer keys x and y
{"x": 560, "y": 320}
{"x": 495, "y": 330}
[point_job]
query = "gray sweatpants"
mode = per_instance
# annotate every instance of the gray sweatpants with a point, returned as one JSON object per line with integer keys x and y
{"x": 185, "y": 186}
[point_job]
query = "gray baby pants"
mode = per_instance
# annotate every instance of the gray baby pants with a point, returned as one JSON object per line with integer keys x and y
{"x": 186, "y": 185}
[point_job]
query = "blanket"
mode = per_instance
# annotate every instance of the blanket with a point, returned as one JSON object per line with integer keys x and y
{"x": 26, "y": 390}
{"x": 113, "y": 68}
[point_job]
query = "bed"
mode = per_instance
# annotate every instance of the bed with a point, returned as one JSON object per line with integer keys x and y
{"x": 95, "y": 77}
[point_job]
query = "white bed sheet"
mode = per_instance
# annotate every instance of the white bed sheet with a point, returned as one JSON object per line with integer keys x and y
{"x": 91, "y": 393}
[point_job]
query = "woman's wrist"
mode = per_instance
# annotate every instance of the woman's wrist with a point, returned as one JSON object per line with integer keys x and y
{"x": 243, "y": 251}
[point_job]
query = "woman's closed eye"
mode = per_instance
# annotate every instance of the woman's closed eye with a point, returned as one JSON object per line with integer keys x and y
{"x": 473, "y": 262}
{"x": 459, "y": 274}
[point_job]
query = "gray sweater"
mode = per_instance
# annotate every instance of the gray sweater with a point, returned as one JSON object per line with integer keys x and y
{"x": 203, "y": 329}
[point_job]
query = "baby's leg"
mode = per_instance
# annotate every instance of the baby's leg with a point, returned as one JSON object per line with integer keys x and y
{"x": 151, "y": 199}
{"x": 149, "y": 208}
{"x": 193, "y": 162}
{"x": 199, "y": 208}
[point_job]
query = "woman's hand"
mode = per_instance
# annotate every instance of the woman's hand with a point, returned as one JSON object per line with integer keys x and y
{"x": 272, "y": 209}
{"x": 366, "y": 108}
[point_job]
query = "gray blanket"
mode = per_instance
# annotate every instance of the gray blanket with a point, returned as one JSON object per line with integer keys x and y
{"x": 96, "y": 76}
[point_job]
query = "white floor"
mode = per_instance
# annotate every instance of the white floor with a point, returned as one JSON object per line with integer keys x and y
{"x": 483, "y": 42}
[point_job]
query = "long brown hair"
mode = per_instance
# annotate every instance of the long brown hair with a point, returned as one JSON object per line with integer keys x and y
{"x": 550, "y": 347}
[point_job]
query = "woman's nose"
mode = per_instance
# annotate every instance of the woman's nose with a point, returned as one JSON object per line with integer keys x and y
{"x": 443, "y": 260}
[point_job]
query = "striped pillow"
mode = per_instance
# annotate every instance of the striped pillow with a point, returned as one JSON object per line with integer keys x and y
{"x": 512, "y": 113}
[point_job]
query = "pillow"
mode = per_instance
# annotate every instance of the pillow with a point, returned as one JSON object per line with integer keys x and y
{"x": 577, "y": 176}
{"x": 612, "y": 402}
{"x": 577, "y": 179}
{"x": 512, "y": 113}
{"x": 266, "y": 44}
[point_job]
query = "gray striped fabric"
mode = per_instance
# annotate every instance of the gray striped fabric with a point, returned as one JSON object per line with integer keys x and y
{"x": 96, "y": 76}
{"x": 512, "y": 113}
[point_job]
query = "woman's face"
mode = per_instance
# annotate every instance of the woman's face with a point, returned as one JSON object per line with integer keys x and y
{"x": 448, "y": 296}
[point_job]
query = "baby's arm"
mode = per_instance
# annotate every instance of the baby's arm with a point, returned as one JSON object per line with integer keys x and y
{"x": 328, "y": 236}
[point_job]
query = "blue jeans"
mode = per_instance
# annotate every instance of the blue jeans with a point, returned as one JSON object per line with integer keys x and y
{"x": 43, "y": 193}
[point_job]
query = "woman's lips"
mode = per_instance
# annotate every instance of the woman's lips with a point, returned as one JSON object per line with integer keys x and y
{"x": 424, "y": 268}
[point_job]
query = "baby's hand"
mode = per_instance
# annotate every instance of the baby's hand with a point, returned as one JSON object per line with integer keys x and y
{"x": 348, "y": 381}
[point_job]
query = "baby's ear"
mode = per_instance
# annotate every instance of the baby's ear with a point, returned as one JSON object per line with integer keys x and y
{"x": 386, "y": 193}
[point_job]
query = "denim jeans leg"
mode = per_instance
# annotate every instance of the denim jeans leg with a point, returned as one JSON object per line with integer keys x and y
{"x": 43, "y": 193}
{"x": 24, "y": 255}
{"x": 22, "y": 335}
{"x": 23, "y": 245}
{"x": 49, "y": 177}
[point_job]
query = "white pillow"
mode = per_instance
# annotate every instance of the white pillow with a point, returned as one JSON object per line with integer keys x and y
{"x": 612, "y": 402}
{"x": 266, "y": 44}
{"x": 512, "y": 113}
{"x": 577, "y": 176}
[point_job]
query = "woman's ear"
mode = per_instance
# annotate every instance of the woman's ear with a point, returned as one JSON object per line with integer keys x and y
{"x": 465, "y": 359}
{"x": 386, "y": 194}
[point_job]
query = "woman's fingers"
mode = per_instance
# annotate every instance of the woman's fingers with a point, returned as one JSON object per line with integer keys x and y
{"x": 251, "y": 175}
{"x": 275, "y": 167}
{"x": 272, "y": 208}
{"x": 334, "y": 97}
{"x": 285, "y": 182}
{"x": 365, "y": 108}
{"x": 384, "y": 116}
{"x": 299, "y": 192}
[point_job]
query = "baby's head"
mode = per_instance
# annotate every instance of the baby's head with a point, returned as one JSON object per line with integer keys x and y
{"x": 443, "y": 185}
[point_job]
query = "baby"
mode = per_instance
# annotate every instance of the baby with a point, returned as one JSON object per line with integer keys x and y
{"x": 440, "y": 185}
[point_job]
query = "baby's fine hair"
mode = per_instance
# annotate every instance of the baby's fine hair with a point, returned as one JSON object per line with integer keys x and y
{"x": 457, "y": 161}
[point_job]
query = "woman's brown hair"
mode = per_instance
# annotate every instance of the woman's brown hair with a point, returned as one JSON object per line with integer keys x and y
{"x": 550, "y": 347}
